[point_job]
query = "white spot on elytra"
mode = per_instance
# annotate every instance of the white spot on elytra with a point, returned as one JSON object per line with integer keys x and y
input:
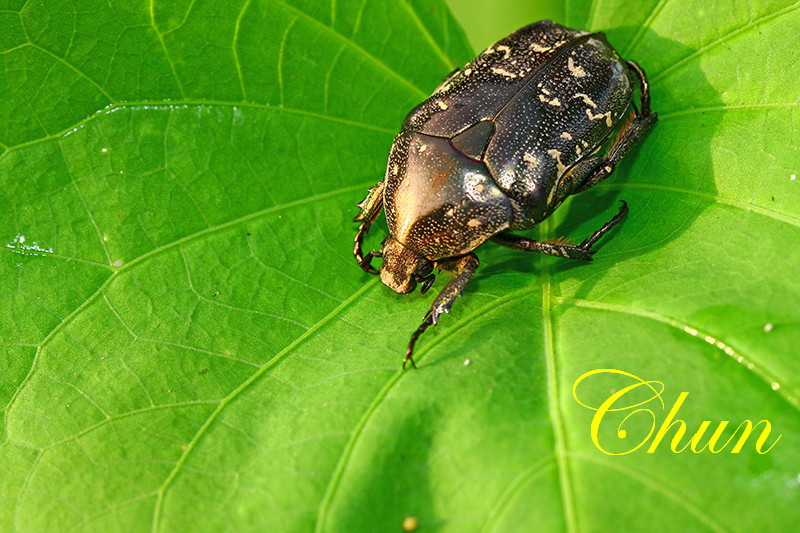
{"x": 576, "y": 70}
{"x": 423, "y": 148}
{"x": 586, "y": 99}
{"x": 505, "y": 49}
{"x": 474, "y": 223}
{"x": 504, "y": 72}
{"x": 507, "y": 178}
{"x": 442, "y": 105}
{"x": 566, "y": 135}
{"x": 531, "y": 160}
{"x": 536, "y": 47}
{"x": 545, "y": 91}
{"x": 553, "y": 102}
{"x": 555, "y": 154}
{"x": 598, "y": 116}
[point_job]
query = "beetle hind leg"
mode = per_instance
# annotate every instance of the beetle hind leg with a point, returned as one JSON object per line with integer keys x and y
{"x": 592, "y": 171}
{"x": 560, "y": 248}
{"x": 464, "y": 266}
{"x": 370, "y": 209}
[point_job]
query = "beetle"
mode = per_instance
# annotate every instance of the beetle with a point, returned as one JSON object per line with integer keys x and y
{"x": 542, "y": 114}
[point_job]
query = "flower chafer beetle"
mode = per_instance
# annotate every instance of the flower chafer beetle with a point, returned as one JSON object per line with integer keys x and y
{"x": 500, "y": 144}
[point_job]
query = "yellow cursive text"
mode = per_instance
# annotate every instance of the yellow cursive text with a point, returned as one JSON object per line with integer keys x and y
{"x": 620, "y": 401}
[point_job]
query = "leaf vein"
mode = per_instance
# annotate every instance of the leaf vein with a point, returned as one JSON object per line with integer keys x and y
{"x": 648, "y": 22}
{"x": 127, "y": 414}
{"x": 728, "y": 107}
{"x": 235, "y": 48}
{"x": 427, "y": 34}
{"x": 281, "y": 53}
{"x": 678, "y": 497}
{"x": 245, "y": 385}
{"x": 75, "y": 69}
{"x": 526, "y": 476}
{"x": 722, "y": 200}
{"x": 554, "y": 407}
{"x": 347, "y": 451}
{"x": 169, "y": 106}
{"x": 236, "y": 221}
{"x": 163, "y": 43}
{"x": 760, "y": 370}
{"x": 242, "y": 309}
{"x": 361, "y": 51}
{"x": 728, "y": 36}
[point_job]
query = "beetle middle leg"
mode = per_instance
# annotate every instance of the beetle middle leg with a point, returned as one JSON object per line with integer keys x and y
{"x": 370, "y": 209}
{"x": 464, "y": 267}
{"x": 582, "y": 251}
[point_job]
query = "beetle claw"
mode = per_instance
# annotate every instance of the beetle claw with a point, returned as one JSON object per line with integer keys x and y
{"x": 409, "y": 359}
{"x": 581, "y": 253}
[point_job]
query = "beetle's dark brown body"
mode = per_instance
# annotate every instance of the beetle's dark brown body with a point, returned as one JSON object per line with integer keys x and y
{"x": 499, "y": 146}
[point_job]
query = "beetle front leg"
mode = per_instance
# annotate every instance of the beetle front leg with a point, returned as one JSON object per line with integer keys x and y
{"x": 370, "y": 209}
{"x": 581, "y": 252}
{"x": 464, "y": 266}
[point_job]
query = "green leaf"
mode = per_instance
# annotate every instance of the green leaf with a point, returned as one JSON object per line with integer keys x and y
{"x": 189, "y": 346}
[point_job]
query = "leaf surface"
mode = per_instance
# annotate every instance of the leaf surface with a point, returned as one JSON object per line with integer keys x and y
{"x": 188, "y": 344}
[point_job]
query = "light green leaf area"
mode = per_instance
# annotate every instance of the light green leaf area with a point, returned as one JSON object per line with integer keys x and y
{"x": 188, "y": 345}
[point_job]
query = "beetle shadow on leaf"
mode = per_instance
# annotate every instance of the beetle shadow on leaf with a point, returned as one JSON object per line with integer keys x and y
{"x": 666, "y": 180}
{"x": 395, "y": 482}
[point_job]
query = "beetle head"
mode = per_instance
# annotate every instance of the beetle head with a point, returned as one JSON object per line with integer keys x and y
{"x": 403, "y": 268}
